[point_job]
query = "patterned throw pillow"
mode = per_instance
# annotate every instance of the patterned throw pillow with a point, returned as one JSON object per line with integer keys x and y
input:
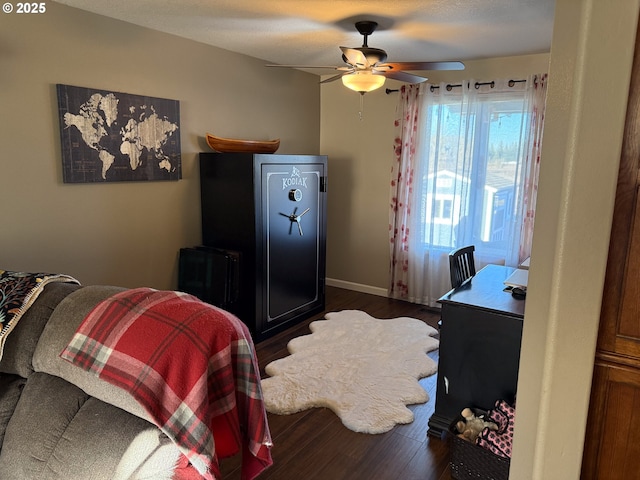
{"x": 18, "y": 291}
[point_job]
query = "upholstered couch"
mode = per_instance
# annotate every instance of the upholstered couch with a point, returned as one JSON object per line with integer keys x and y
{"x": 58, "y": 421}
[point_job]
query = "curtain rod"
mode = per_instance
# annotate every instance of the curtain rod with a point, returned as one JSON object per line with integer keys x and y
{"x": 449, "y": 86}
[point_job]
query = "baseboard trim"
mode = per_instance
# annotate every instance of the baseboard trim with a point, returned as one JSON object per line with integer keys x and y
{"x": 358, "y": 287}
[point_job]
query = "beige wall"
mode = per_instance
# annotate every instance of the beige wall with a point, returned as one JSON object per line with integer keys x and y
{"x": 360, "y": 154}
{"x": 127, "y": 233}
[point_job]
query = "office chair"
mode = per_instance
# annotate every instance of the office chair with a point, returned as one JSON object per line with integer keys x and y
{"x": 461, "y": 265}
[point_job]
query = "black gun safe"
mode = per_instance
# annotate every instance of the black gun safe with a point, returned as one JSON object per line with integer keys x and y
{"x": 272, "y": 210}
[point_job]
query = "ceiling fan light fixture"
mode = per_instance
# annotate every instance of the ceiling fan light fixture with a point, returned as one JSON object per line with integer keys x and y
{"x": 363, "y": 81}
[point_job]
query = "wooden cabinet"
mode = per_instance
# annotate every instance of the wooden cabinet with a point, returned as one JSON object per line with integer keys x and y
{"x": 612, "y": 442}
{"x": 271, "y": 209}
{"x": 612, "y": 447}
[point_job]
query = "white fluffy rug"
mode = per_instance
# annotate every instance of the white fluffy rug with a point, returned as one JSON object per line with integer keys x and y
{"x": 364, "y": 369}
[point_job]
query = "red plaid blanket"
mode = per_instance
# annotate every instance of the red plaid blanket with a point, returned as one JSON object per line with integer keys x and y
{"x": 190, "y": 365}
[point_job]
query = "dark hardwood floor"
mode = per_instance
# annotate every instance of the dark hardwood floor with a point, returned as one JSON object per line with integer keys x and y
{"x": 314, "y": 445}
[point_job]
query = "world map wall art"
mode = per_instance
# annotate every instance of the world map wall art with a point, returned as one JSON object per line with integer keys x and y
{"x": 116, "y": 137}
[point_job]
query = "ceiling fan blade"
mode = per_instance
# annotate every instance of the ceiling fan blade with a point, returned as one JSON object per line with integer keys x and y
{"x": 355, "y": 57}
{"x": 332, "y": 67}
{"x": 333, "y": 79}
{"x": 403, "y": 76}
{"x": 424, "y": 65}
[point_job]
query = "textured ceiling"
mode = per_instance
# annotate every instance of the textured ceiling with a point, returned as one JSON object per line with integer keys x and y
{"x": 309, "y": 32}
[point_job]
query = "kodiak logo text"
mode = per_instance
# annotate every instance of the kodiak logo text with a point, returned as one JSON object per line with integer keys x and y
{"x": 295, "y": 180}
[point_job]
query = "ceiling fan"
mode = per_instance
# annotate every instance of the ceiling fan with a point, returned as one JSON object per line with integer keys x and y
{"x": 366, "y": 67}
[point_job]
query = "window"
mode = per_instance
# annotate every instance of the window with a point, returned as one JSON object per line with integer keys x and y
{"x": 472, "y": 177}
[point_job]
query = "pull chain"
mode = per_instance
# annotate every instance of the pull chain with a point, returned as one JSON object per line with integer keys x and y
{"x": 361, "y": 106}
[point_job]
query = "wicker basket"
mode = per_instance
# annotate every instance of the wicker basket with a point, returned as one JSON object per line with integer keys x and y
{"x": 471, "y": 461}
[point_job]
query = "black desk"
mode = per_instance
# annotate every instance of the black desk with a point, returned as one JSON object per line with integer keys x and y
{"x": 479, "y": 346}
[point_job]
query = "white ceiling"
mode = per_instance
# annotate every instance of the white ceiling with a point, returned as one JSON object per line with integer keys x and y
{"x": 309, "y": 32}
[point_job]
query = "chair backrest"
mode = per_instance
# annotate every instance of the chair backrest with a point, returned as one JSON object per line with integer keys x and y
{"x": 461, "y": 265}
